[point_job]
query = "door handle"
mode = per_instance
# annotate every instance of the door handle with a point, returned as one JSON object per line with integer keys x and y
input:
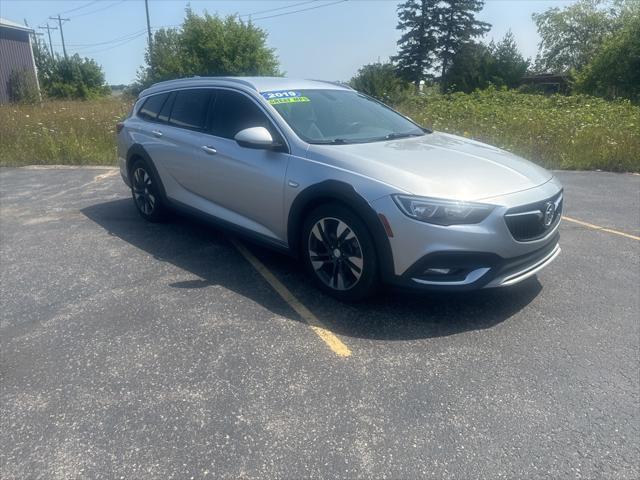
{"x": 209, "y": 150}
{"x": 156, "y": 133}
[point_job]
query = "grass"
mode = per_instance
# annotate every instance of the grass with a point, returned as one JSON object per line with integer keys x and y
{"x": 576, "y": 132}
{"x": 60, "y": 132}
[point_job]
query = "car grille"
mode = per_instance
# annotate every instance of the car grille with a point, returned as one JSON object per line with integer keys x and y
{"x": 527, "y": 223}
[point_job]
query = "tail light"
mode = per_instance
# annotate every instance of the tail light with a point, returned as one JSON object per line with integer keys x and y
{"x": 119, "y": 127}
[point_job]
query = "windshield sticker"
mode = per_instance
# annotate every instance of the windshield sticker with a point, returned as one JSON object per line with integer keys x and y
{"x": 276, "y": 101}
{"x": 280, "y": 94}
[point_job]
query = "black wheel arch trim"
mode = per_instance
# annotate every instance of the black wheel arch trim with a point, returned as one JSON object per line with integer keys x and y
{"x": 137, "y": 150}
{"x": 334, "y": 190}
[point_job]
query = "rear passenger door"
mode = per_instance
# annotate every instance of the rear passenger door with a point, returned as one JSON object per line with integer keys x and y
{"x": 181, "y": 161}
{"x": 247, "y": 183}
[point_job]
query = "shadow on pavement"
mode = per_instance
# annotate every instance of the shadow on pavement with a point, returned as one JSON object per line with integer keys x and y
{"x": 204, "y": 251}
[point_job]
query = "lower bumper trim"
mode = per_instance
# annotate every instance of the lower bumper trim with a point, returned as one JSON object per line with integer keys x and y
{"x": 528, "y": 272}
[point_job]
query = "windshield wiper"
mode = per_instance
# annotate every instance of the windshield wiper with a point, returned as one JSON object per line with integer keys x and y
{"x": 335, "y": 141}
{"x": 396, "y": 135}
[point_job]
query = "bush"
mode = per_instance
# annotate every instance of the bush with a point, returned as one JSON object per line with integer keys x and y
{"x": 380, "y": 81}
{"x": 566, "y": 132}
{"x": 72, "y": 78}
{"x": 23, "y": 87}
{"x": 614, "y": 71}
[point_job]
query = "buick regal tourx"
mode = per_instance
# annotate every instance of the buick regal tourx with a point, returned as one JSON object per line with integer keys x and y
{"x": 360, "y": 193}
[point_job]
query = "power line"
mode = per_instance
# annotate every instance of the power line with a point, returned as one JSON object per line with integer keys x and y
{"x": 125, "y": 39}
{"x": 301, "y": 10}
{"x": 120, "y": 44}
{"x": 80, "y": 7}
{"x": 276, "y": 9}
{"x": 98, "y": 9}
{"x": 106, "y": 42}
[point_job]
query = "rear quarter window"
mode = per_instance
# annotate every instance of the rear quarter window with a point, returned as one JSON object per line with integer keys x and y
{"x": 152, "y": 106}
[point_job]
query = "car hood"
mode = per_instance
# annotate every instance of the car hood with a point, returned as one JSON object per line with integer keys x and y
{"x": 436, "y": 165}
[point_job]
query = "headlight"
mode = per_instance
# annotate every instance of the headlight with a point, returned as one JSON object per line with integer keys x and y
{"x": 442, "y": 212}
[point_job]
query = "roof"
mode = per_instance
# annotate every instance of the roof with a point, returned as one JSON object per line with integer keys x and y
{"x": 16, "y": 26}
{"x": 259, "y": 84}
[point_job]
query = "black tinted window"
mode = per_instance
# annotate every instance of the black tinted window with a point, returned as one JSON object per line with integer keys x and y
{"x": 163, "y": 116}
{"x": 233, "y": 112}
{"x": 190, "y": 108}
{"x": 152, "y": 106}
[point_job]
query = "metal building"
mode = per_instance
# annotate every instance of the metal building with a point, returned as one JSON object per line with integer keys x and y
{"x": 16, "y": 53}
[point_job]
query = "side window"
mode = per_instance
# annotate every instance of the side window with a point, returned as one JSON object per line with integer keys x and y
{"x": 190, "y": 109}
{"x": 233, "y": 112}
{"x": 152, "y": 106}
{"x": 163, "y": 116}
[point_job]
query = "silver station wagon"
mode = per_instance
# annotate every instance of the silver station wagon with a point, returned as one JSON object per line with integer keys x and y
{"x": 361, "y": 194}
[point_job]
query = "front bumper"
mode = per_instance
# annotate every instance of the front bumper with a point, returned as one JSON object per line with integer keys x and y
{"x": 475, "y": 270}
{"x": 468, "y": 257}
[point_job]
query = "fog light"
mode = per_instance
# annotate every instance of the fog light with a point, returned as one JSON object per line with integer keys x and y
{"x": 437, "y": 271}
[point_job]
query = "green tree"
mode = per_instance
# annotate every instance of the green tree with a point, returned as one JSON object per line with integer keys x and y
{"x": 614, "y": 70}
{"x": 208, "y": 45}
{"x": 509, "y": 66}
{"x": 471, "y": 69}
{"x": 418, "y": 19}
{"x": 458, "y": 26}
{"x": 434, "y": 31}
{"x": 571, "y": 36}
{"x": 381, "y": 81}
{"x": 476, "y": 66}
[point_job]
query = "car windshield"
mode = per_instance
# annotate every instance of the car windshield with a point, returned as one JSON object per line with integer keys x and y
{"x": 339, "y": 117}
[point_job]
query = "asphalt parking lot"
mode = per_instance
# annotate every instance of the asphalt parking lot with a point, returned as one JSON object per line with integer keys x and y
{"x": 137, "y": 350}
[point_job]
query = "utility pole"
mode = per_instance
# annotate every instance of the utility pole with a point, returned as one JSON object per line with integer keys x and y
{"x": 60, "y": 20}
{"x": 48, "y": 29}
{"x": 146, "y": 6}
{"x": 34, "y": 35}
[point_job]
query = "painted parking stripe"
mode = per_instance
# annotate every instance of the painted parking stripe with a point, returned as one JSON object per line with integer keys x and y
{"x": 602, "y": 229}
{"x": 327, "y": 336}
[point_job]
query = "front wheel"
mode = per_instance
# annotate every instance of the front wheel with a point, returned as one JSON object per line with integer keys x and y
{"x": 339, "y": 253}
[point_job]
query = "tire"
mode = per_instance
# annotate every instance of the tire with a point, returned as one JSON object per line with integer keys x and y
{"x": 339, "y": 253}
{"x": 145, "y": 190}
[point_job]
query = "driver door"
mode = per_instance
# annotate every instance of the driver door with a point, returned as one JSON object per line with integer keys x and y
{"x": 247, "y": 184}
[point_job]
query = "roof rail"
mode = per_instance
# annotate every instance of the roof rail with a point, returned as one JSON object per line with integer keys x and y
{"x": 159, "y": 86}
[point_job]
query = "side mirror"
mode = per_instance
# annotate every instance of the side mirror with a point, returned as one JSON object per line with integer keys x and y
{"x": 256, "y": 137}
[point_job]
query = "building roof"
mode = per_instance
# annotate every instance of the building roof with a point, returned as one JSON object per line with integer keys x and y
{"x": 259, "y": 84}
{"x": 16, "y": 26}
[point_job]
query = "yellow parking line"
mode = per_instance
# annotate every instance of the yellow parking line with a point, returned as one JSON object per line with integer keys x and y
{"x": 316, "y": 325}
{"x": 110, "y": 173}
{"x": 598, "y": 227}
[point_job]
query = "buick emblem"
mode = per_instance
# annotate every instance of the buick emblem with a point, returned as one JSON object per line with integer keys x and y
{"x": 548, "y": 214}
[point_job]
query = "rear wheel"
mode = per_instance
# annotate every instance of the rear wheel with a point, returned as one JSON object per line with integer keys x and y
{"x": 145, "y": 189}
{"x": 339, "y": 253}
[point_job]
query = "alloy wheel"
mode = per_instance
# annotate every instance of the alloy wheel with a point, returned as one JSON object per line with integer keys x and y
{"x": 143, "y": 191}
{"x": 335, "y": 253}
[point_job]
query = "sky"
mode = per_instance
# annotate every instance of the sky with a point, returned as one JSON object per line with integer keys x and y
{"x": 323, "y": 39}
